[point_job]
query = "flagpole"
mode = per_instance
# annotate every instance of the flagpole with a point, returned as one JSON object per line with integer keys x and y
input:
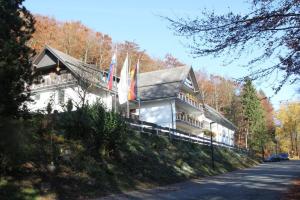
{"x": 137, "y": 88}
{"x": 116, "y": 83}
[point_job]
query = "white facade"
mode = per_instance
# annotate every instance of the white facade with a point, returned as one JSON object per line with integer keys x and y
{"x": 222, "y": 133}
{"x": 160, "y": 112}
{"x": 59, "y": 96}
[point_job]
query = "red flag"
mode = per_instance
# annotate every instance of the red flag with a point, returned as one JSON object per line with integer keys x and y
{"x": 132, "y": 93}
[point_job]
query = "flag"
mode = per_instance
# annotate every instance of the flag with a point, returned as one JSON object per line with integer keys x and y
{"x": 132, "y": 93}
{"x": 123, "y": 84}
{"x": 110, "y": 77}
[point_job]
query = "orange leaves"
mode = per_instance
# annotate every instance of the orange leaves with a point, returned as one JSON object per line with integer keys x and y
{"x": 73, "y": 38}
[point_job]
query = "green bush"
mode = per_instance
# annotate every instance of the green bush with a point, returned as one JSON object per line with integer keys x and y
{"x": 103, "y": 133}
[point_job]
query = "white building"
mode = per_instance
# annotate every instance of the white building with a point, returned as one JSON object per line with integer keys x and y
{"x": 171, "y": 98}
{"x": 168, "y": 97}
{"x": 62, "y": 77}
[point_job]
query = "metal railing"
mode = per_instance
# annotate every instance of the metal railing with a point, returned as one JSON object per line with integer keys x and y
{"x": 185, "y": 98}
{"x": 189, "y": 120}
{"x": 151, "y": 128}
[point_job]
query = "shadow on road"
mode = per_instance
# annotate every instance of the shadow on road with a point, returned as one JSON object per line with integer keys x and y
{"x": 266, "y": 182}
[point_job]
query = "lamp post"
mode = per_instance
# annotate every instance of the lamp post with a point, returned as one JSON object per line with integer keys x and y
{"x": 211, "y": 146}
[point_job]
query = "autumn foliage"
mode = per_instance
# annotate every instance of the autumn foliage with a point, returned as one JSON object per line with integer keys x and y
{"x": 81, "y": 42}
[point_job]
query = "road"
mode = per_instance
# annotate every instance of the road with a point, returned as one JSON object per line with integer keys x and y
{"x": 264, "y": 182}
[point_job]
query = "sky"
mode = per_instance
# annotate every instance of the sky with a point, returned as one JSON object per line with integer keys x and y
{"x": 140, "y": 22}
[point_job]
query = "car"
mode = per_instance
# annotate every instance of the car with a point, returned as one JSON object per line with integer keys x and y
{"x": 283, "y": 156}
{"x": 273, "y": 158}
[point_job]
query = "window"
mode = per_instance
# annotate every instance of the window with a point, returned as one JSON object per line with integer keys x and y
{"x": 61, "y": 96}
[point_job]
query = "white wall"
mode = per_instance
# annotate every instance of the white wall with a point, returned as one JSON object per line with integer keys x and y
{"x": 73, "y": 93}
{"x": 159, "y": 112}
{"x": 223, "y": 134}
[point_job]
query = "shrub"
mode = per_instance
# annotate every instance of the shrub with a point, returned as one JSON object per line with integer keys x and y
{"x": 103, "y": 133}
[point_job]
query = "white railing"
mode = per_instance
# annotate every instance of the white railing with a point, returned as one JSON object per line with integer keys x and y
{"x": 151, "y": 128}
{"x": 189, "y": 120}
{"x": 189, "y": 101}
{"x": 54, "y": 80}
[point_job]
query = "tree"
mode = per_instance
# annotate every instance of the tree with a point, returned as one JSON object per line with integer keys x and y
{"x": 171, "y": 61}
{"x": 216, "y": 91}
{"x": 268, "y": 111}
{"x": 270, "y": 31}
{"x": 253, "y": 118}
{"x": 287, "y": 134}
{"x": 47, "y": 31}
{"x": 17, "y": 26}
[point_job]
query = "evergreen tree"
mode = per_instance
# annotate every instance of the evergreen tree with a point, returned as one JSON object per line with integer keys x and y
{"x": 253, "y": 117}
{"x": 16, "y": 28}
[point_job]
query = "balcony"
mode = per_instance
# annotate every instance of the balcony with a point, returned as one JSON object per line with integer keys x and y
{"x": 54, "y": 80}
{"x": 190, "y": 100}
{"x": 189, "y": 120}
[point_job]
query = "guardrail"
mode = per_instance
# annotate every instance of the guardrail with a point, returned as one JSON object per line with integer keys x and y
{"x": 151, "y": 128}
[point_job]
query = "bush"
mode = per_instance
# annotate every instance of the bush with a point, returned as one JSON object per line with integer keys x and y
{"x": 103, "y": 133}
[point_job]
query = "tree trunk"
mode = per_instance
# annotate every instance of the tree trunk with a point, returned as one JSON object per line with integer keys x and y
{"x": 292, "y": 143}
{"x": 262, "y": 152}
{"x": 246, "y": 139}
{"x": 296, "y": 143}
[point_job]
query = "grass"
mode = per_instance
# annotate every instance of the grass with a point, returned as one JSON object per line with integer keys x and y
{"x": 145, "y": 161}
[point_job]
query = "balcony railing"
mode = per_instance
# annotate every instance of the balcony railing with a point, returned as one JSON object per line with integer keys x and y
{"x": 54, "y": 80}
{"x": 189, "y": 120}
{"x": 187, "y": 99}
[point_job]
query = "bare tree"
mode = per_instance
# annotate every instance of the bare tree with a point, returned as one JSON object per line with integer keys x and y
{"x": 269, "y": 32}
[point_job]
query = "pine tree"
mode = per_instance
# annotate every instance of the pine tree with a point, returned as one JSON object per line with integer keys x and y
{"x": 253, "y": 117}
{"x": 16, "y": 28}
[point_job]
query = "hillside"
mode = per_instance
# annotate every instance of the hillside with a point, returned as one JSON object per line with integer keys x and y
{"x": 144, "y": 161}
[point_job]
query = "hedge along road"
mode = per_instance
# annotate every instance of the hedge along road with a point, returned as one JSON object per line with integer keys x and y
{"x": 266, "y": 182}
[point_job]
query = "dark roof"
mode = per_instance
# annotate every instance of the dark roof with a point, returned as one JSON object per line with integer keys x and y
{"x": 215, "y": 116}
{"x": 164, "y": 76}
{"x": 162, "y": 83}
{"x": 77, "y": 67}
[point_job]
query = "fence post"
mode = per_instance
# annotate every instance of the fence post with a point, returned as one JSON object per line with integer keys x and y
{"x": 212, "y": 151}
{"x": 170, "y": 133}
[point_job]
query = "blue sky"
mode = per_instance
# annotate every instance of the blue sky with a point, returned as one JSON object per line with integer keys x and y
{"x": 139, "y": 21}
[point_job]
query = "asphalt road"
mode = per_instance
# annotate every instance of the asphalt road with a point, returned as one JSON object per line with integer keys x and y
{"x": 266, "y": 182}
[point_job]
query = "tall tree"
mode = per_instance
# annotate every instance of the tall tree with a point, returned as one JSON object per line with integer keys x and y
{"x": 269, "y": 31}
{"x": 17, "y": 26}
{"x": 253, "y": 118}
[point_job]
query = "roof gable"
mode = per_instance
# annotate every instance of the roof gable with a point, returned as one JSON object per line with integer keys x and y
{"x": 84, "y": 72}
{"x": 190, "y": 80}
